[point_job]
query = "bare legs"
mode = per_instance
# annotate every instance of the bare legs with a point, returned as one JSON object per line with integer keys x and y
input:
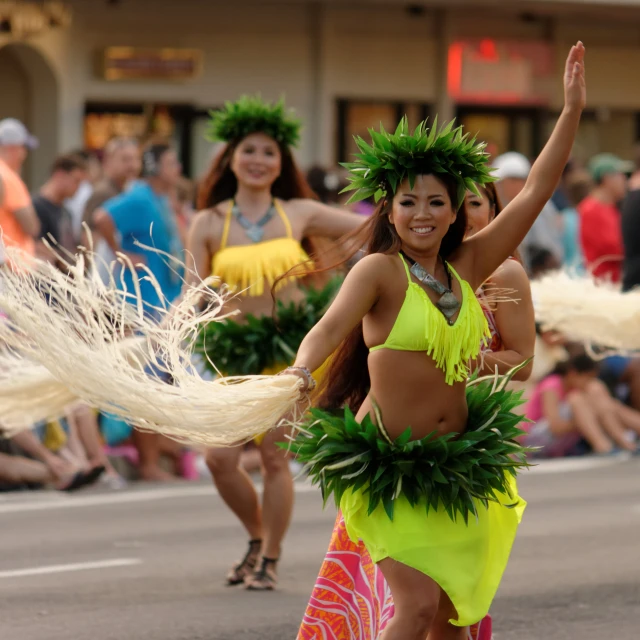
{"x": 83, "y": 421}
{"x": 601, "y": 419}
{"x": 269, "y": 523}
{"x": 587, "y": 423}
{"x": 236, "y": 489}
{"x": 18, "y": 470}
{"x": 422, "y": 609}
{"x": 149, "y": 446}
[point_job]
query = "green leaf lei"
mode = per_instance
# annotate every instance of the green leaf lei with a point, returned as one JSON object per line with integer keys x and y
{"x": 262, "y": 343}
{"x": 250, "y": 114}
{"x": 457, "y": 471}
{"x": 393, "y": 157}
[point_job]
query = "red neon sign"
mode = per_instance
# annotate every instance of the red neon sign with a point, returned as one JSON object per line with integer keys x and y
{"x": 491, "y": 72}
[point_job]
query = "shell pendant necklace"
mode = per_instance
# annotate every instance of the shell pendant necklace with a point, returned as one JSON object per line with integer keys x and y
{"x": 447, "y": 303}
{"x": 254, "y": 230}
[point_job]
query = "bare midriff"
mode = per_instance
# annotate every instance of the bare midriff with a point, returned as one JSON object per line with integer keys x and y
{"x": 411, "y": 392}
{"x": 263, "y": 305}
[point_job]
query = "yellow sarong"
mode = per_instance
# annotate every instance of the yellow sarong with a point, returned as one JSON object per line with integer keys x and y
{"x": 466, "y": 560}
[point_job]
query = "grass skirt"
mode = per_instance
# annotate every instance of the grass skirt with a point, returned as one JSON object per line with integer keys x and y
{"x": 446, "y": 506}
{"x": 262, "y": 344}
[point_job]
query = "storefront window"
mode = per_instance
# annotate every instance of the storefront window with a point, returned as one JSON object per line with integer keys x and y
{"x": 504, "y": 128}
{"x": 183, "y": 125}
{"x": 355, "y": 117}
{"x": 603, "y": 131}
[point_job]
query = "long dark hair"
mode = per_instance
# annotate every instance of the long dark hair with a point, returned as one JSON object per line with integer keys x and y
{"x": 220, "y": 183}
{"x": 347, "y": 380}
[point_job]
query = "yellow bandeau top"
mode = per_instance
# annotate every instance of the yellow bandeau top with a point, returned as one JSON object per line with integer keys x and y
{"x": 246, "y": 267}
{"x": 420, "y": 326}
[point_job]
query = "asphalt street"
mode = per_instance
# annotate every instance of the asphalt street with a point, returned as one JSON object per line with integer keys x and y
{"x": 149, "y": 562}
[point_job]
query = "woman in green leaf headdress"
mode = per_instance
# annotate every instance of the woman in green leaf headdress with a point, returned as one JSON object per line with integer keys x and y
{"x": 424, "y": 471}
{"x": 257, "y": 210}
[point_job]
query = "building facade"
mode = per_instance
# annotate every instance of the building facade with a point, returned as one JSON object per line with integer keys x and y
{"x": 154, "y": 68}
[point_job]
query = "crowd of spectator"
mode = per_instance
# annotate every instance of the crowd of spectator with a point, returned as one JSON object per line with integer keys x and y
{"x": 109, "y": 202}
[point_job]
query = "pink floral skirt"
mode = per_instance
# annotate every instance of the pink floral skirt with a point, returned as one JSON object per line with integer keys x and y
{"x": 351, "y": 599}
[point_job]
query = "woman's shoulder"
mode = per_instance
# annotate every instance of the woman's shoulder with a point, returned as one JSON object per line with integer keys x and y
{"x": 382, "y": 267}
{"x": 298, "y": 206}
{"x": 510, "y": 274}
{"x": 210, "y": 220}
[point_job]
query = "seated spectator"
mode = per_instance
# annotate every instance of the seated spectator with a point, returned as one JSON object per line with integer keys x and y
{"x": 85, "y": 446}
{"x": 572, "y": 404}
{"x": 43, "y": 467}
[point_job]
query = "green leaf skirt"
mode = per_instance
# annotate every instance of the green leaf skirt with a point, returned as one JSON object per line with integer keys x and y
{"x": 457, "y": 472}
{"x": 266, "y": 343}
{"x": 447, "y": 505}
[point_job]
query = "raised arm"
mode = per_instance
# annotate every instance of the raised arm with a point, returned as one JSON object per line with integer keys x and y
{"x": 494, "y": 244}
{"x": 357, "y": 296}
{"x": 329, "y": 222}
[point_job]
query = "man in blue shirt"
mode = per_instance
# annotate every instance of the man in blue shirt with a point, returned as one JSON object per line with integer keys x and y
{"x": 143, "y": 216}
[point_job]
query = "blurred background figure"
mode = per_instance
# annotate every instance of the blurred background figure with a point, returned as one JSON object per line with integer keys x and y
{"x": 182, "y": 200}
{"x": 631, "y": 230}
{"x": 77, "y": 204}
{"x": 56, "y": 222}
{"x": 325, "y": 184}
{"x": 571, "y": 405}
{"x": 511, "y": 169}
{"x": 600, "y": 218}
{"x": 120, "y": 166}
{"x": 144, "y": 215}
{"x": 18, "y": 221}
{"x": 576, "y": 187}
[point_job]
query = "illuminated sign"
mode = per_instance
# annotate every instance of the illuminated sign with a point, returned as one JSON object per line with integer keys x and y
{"x": 130, "y": 63}
{"x": 498, "y": 72}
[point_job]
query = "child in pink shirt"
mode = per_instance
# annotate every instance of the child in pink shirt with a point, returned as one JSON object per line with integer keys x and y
{"x": 572, "y": 404}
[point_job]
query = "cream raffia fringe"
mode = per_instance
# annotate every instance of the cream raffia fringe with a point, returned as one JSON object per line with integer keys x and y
{"x": 30, "y": 394}
{"x": 75, "y": 336}
{"x": 589, "y": 311}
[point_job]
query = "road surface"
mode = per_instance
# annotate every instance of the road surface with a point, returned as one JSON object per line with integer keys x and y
{"x": 148, "y": 563}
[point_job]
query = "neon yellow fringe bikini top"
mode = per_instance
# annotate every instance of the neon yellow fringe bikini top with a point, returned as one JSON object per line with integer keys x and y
{"x": 420, "y": 326}
{"x": 246, "y": 267}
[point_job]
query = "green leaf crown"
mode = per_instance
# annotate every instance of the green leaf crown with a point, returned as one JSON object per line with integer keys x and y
{"x": 250, "y": 114}
{"x": 393, "y": 157}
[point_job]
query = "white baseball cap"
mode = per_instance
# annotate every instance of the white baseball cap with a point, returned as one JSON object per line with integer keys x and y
{"x": 511, "y": 165}
{"x": 13, "y": 132}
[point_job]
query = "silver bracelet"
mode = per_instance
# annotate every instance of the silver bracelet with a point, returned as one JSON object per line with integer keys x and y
{"x": 311, "y": 383}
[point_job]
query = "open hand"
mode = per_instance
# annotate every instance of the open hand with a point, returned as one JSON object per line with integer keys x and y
{"x": 575, "y": 88}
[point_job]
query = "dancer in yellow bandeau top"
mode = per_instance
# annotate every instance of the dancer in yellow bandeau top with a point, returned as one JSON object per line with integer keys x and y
{"x": 257, "y": 211}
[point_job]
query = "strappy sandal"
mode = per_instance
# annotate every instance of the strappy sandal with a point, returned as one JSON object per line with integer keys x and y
{"x": 264, "y": 578}
{"x": 244, "y": 568}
